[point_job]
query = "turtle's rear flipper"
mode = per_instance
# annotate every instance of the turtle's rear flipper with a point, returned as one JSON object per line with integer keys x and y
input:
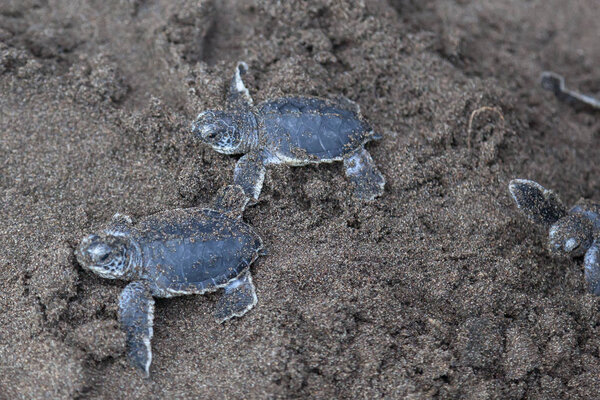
{"x": 592, "y": 268}
{"x": 136, "y": 313}
{"x": 540, "y": 205}
{"x": 239, "y": 96}
{"x": 238, "y": 299}
{"x": 556, "y": 84}
{"x": 366, "y": 178}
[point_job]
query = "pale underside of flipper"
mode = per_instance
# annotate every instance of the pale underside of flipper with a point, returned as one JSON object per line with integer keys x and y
{"x": 238, "y": 298}
{"x": 136, "y": 314}
{"x": 537, "y": 203}
{"x": 239, "y": 96}
{"x": 368, "y": 182}
{"x": 592, "y": 268}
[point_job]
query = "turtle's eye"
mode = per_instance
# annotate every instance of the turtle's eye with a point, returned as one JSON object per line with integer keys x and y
{"x": 99, "y": 252}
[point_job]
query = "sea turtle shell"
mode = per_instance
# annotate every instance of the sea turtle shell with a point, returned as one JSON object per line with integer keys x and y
{"x": 189, "y": 251}
{"x": 310, "y": 129}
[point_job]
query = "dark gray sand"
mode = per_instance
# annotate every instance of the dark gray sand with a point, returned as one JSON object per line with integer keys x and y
{"x": 439, "y": 289}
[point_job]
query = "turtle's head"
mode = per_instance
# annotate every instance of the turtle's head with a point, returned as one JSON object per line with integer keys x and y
{"x": 107, "y": 255}
{"x": 223, "y": 131}
{"x": 571, "y": 235}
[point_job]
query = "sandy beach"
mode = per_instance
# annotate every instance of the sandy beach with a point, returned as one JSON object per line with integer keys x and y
{"x": 438, "y": 289}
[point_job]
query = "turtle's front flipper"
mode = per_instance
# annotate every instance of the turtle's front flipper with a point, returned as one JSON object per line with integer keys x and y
{"x": 250, "y": 173}
{"x": 362, "y": 172}
{"x": 556, "y": 84}
{"x": 120, "y": 223}
{"x": 239, "y": 95}
{"x": 136, "y": 313}
{"x": 231, "y": 200}
{"x": 592, "y": 268}
{"x": 238, "y": 299}
{"x": 539, "y": 204}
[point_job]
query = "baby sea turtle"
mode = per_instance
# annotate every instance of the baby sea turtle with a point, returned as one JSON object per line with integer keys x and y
{"x": 293, "y": 131}
{"x": 573, "y": 232}
{"x": 173, "y": 253}
{"x": 556, "y": 84}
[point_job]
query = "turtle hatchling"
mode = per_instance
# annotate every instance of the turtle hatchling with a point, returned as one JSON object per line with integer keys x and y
{"x": 574, "y": 232}
{"x": 174, "y": 253}
{"x": 293, "y": 131}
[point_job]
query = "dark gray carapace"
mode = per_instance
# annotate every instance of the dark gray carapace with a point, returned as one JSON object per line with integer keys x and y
{"x": 293, "y": 131}
{"x": 573, "y": 233}
{"x": 173, "y": 253}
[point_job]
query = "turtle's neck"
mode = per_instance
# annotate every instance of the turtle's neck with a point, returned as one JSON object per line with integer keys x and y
{"x": 249, "y": 129}
{"x": 134, "y": 263}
